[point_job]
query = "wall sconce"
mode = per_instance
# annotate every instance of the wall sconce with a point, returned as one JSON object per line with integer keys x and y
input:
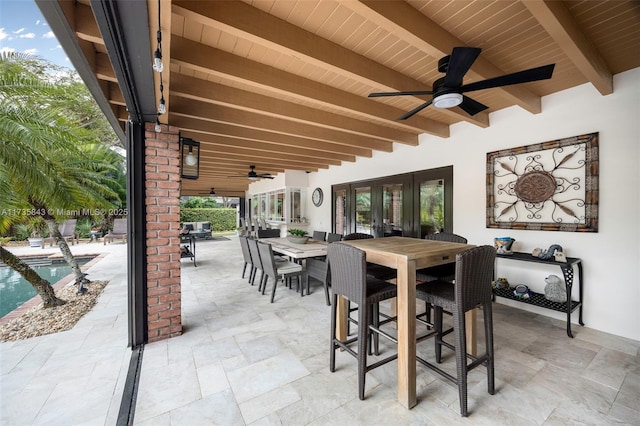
{"x": 189, "y": 158}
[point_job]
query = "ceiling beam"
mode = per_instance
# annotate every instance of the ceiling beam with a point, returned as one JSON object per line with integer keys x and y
{"x": 556, "y": 19}
{"x": 247, "y": 22}
{"x": 199, "y": 57}
{"x": 206, "y": 91}
{"x": 238, "y": 145}
{"x": 254, "y": 120}
{"x": 256, "y": 135}
{"x": 218, "y": 148}
{"x": 402, "y": 19}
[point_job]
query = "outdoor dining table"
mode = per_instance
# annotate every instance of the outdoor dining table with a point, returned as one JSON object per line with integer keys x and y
{"x": 312, "y": 248}
{"x": 406, "y": 255}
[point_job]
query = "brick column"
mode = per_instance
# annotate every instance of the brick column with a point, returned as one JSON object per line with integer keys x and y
{"x": 162, "y": 199}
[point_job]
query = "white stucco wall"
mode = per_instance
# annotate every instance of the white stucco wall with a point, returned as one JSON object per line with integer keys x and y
{"x": 610, "y": 257}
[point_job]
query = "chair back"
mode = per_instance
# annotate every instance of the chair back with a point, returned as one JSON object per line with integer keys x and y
{"x": 255, "y": 254}
{"x": 267, "y": 259}
{"x": 68, "y": 228}
{"x": 446, "y": 236}
{"x": 120, "y": 226}
{"x": 357, "y": 236}
{"x": 244, "y": 245}
{"x": 188, "y": 227}
{"x": 332, "y": 237}
{"x": 319, "y": 235}
{"x": 206, "y": 226}
{"x": 268, "y": 233}
{"x": 348, "y": 271}
{"x": 318, "y": 269}
{"x": 474, "y": 272}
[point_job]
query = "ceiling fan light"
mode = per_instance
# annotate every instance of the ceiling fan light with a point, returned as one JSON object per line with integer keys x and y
{"x": 448, "y": 100}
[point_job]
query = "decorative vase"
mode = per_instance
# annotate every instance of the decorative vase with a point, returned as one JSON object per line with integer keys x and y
{"x": 297, "y": 240}
{"x": 503, "y": 244}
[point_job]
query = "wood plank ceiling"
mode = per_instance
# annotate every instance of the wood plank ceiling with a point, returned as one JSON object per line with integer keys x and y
{"x": 283, "y": 84}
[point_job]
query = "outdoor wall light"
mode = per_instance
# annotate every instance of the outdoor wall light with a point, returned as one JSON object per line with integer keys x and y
{"x": 190, "y": 158}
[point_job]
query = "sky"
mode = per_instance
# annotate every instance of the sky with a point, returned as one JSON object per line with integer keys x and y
{"x": 23, "y": 29}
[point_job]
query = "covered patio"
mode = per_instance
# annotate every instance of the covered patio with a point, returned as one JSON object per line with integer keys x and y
{"x": 242, "y": 360}
{"x": 283, "y": 86}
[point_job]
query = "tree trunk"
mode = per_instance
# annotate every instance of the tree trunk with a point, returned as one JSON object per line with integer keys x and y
{"x": 64, "y": 247}
{"x": 42, "y": 286}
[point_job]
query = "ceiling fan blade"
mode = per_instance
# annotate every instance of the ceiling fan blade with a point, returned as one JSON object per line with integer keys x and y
{"x": 415, "y": 110}
{"x": 410, "y": 93}
{"x": 471, "y": 107}
{"x": 534, "y": 74}
{"x": 459, "y": 63}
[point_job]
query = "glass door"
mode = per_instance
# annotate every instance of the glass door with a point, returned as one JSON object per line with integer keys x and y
{"x": 391, "y": 203}
{"x": 362, "y": 209}
{"x": 434, "y": 197}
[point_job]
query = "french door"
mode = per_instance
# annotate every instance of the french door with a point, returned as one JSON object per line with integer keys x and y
{"x": 411, "y": 204}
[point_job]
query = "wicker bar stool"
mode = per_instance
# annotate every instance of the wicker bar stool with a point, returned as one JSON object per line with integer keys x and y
{"x": 441, "y": 272}
{"x": 349, "y": 279}
{"x": 472, "y": 288}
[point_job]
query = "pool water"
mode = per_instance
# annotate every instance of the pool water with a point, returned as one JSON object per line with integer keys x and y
{"x": 15, "y": 290}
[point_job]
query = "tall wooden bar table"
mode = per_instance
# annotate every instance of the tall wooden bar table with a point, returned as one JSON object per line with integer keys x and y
{"x": 406, "y": 255}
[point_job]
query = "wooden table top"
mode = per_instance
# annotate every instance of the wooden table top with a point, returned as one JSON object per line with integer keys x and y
{"x": 312, "y": 248}
{"x": 389, "y": 250}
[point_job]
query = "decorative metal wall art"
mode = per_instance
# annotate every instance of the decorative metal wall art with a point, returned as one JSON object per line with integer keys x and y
{"x": 549, "y": 186}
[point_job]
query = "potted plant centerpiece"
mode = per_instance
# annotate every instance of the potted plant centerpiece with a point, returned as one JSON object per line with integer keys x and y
{"x": 297, "y": 236}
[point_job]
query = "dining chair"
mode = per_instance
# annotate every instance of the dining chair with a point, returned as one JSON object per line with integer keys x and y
{"x": 319, "y": 235}
{"x": 378, "y": 271}
{"x": 444, "y": 272}
{"x": 441, "y": 272}
{"x": 349, "y": 279}
{"x": 318, "y": 269}
{"x": 374, "y": 270}
{"x": 256, "y": 261}
{"x": 472, "y": 289}
{"x": 281, "y": 271}
{"x": 246, "y": 254}
{"x": 333, "y": 237}
{"x": 269, "y": 233}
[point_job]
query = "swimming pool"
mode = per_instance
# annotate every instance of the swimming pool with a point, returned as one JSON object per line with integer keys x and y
{"x": 15, "y": 290}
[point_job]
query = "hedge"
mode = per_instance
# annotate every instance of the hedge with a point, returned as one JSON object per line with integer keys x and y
{"x": 221, "y": 219}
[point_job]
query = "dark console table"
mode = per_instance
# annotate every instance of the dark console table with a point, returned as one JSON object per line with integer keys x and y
{"x": 538, "y": 299}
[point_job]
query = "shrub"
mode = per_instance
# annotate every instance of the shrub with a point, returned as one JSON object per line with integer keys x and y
{"x": 221, "y": 219}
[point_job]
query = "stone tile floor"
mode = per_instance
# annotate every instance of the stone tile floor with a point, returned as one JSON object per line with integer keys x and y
{"x": 242, "y": 360}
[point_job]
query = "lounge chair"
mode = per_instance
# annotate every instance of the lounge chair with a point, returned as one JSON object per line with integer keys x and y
{"x": 67, "y": 230}
{"x": 119, "y": 231}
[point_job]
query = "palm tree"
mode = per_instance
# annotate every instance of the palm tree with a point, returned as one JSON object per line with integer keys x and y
{"x": 50, "y": 163}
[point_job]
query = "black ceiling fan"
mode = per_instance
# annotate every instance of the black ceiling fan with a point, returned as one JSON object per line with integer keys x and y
{"x": 252, "y": 175}
{"x": 448, "y": 91}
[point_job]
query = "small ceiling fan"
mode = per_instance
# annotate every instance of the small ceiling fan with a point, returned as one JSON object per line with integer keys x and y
{"x": 252, "y": 175}
{"x": 448, "y": 91}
